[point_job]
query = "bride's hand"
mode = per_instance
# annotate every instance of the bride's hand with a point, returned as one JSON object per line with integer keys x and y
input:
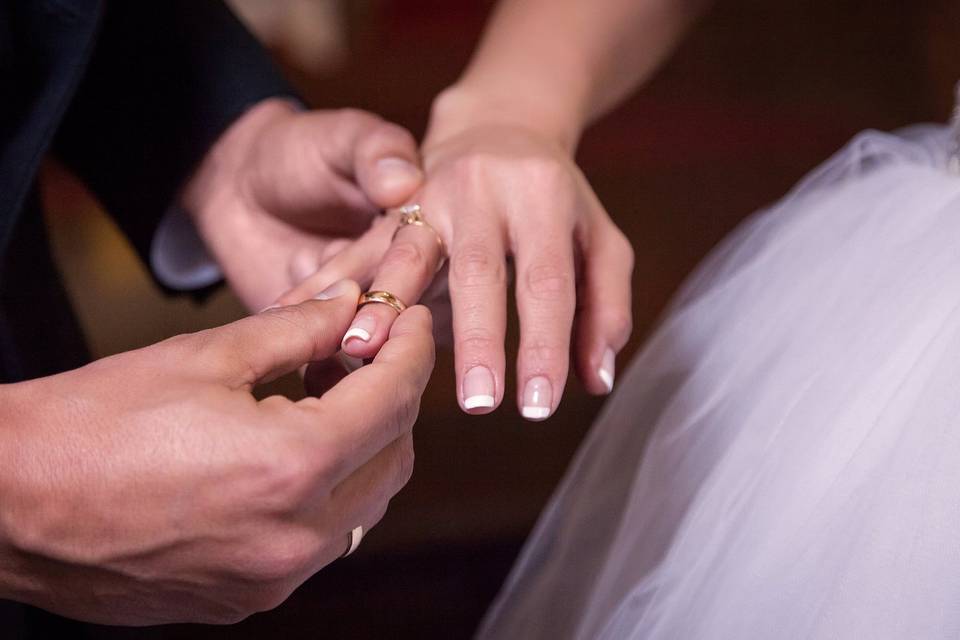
{"x": 499, "y": 189}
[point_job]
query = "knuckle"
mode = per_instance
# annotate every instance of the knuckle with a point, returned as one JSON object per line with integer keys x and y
{"x": 396, "y": 132}
{"x": 281, "y": 559}
{"x": 406, "y": 396}
{"x": 409, "y": 410}
{"x": 470, "y": 169}
{"x": 406, "y": 257}
{"x": 476, "y": 341}
{"x": 405, "y": 461}
{"x": 547, "y": 280}
{"x": 620, "y": 323}
{"x": 474, "y": 265}
{"x": 331, "y": 466}
{"x": 378, "y": 514}
{"x": 288, "y": 478}
{"x": 545, "y": 172}
{"x": 227, "y": 613}
{"x": 351, "y": 117}
{"x": 257, "y": 599}
{"x": 544, "y": 354}
{"x": 622, "y": 247}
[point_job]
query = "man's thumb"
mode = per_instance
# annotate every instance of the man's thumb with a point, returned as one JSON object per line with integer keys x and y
{"x": 388, "y": 165}
{"x": 279, "y": 340}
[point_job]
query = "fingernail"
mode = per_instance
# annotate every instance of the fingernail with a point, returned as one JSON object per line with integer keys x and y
{"x": 394, "y": 171}
{"x": 478, "y": 389}
{"x": 335, "y": 290}
{"x": 537, "y": 399}
{"x": 361, "y": 330}
{"x": 608, "y": 367}
{"x": 273, "y": 306}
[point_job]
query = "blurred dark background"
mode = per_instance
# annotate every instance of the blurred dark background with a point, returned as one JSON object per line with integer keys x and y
{"x": 757, "y": 95}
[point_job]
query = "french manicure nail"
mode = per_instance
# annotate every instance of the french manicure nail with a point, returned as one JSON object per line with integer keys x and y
{"x": 537, "y": 399}
{"x": 361, "y": 330}
{"x": 608, "y": 367}
{"x": 335, "y": 290}
{"x": 478, "y": 389}
{"x": 397, "y": 170}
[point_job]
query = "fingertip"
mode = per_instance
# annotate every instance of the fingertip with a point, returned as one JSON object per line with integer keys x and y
{"x": 396, "y": 179}
{"x": 478, "y": 391}
{"x": 607, "y": 369}
{"x": 367, "y": 332}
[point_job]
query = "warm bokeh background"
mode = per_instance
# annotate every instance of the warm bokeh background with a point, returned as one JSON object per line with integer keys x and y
{"x": 758, "y": 94}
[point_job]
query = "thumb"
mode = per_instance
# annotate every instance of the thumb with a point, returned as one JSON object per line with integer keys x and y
{"x": 279, "y": 340}
{"x": 387, "y": 164}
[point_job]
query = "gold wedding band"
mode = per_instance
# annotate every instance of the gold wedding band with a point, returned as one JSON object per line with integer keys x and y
{"x": 382, "y": 297}
{"x": 412, "y": 214}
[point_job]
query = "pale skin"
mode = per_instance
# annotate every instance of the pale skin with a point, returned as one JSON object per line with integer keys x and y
{"x": 501, "y": 183}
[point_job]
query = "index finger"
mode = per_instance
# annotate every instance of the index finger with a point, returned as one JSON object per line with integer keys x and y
{"x": 376, "y": 404}
{"x": 406, "y": 270}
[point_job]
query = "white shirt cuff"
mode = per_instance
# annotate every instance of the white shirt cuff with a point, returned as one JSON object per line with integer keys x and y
{"x": 178, "y": 257}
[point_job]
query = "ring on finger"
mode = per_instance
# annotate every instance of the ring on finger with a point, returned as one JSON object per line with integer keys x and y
{"x": 382, "y": 297}
{"x": 412, "y": 214}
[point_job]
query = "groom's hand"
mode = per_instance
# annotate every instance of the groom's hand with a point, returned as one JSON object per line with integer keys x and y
{"x": 284, "y": 190}
{"x": 152, "y": 487}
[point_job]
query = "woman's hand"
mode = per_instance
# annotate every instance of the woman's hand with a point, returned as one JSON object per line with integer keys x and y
{"x": 493, "y": 190}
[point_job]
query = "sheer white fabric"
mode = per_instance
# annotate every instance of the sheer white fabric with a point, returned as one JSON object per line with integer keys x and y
{"x": 801, "y": 476}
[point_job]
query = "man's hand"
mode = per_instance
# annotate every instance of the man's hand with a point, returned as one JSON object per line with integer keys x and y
{"x": 151, "y": 487}
{"x": 285, "y": 190}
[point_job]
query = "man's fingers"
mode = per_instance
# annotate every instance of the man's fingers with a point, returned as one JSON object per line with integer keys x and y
{"x": 362, "y": 497}
{"x": 357, "y": 261}
{"x": 375, "y": 405}
{"x": 262, "y": 347}
{"x": 405, "y": 271}
{"x": 546, "y": 301}
{"x": 604, "y": 319}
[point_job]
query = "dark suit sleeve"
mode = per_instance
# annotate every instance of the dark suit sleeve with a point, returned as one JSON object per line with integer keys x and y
{"x": 166, "y": 79}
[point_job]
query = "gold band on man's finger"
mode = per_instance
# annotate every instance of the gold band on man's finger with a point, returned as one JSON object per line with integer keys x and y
{"x": 382, "y": 297}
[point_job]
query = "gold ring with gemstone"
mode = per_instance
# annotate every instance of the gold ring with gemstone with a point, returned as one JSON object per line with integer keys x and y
{"x": 382, "y": 297}
{"x": 412, "y": 214}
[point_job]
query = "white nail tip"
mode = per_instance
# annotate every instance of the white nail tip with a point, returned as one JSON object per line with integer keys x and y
{"x": 607, "y": 378}
{"x": 476, "y": 402}
{"x": 358, "y": 333}
{"x": 535, "y": 413}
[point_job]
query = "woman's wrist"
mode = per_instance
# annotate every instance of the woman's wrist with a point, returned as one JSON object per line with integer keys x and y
{"x": 461, "y": 107}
